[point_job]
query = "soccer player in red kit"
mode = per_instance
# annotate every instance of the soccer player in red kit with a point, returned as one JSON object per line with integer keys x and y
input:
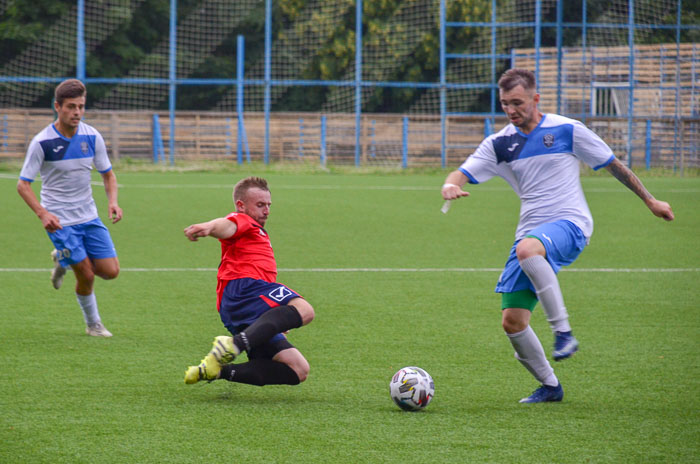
{"x": 253, "y": 307}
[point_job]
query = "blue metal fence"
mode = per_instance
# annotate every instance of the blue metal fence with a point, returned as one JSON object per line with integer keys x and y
{"x": 443, "y": 85}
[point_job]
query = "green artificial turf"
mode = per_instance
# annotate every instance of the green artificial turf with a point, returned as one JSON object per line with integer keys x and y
{"x": 394, "y": 282}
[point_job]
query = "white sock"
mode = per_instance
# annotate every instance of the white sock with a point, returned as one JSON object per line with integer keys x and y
{"x": 548, "y": 291}
{"x": 529, "y": 351}
{"x": 88, "y": 303}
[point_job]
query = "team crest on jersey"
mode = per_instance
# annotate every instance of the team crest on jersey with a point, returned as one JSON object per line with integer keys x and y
{"x": 280, "y": 293}
{"x": 548, "y": 140}
{"x": 84, "y": 147}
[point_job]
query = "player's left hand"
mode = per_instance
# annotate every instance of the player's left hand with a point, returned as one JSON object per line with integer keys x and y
{"x": 115, "y": 213}
{"x": 661, "y": 209}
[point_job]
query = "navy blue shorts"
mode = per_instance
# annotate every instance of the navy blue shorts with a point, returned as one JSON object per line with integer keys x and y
{"x": 245, "y": 300}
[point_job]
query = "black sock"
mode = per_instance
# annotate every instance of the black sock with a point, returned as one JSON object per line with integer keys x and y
{"x": 274, "y": 321}
{"x": 260, "y": 372}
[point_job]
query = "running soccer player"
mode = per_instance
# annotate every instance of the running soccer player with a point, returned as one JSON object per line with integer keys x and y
{"x": 64, "y": 153}
{"x": 539, "y": 156}
{"x": 255, "y": 309}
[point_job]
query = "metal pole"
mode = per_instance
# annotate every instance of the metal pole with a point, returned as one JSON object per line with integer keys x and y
{"x": 647, "y": 154}
{"x": 172, "y": 77}
{"x": 323, "y": 140}
{"x": 404, "y": 143}
{"x": 443, "y": 96}
{"x": 493, "y": 59}
{"x": 538, "y": 39}
{"x": 80, "y": 51}
{"x": 678, "y": 85}
{"x": 560, "y": 20}
{"x": 358, "y": 79}
{"x": 268, "y": 52}
{"x": 583, "y": 54}
{"x": 240, "y": 63}
{"x": 630, "y": 122}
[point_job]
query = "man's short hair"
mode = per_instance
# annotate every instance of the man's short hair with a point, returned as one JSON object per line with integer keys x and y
{"x": 515, "y": 77}
{"x": 70, "y": 88}
{"x": 243, "y": 185}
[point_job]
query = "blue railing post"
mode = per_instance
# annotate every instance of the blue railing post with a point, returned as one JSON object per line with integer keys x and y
{"x": 157, "y": 141}
{"x": 560, "y": 20}
{"x": 80, "y": 46}
{"x": 323, "y": 140}
{"x": 494, "y": 92}
{"x": 404, "y": 143}
{"x": 172, "y": 75}
{"x": 443, "y": 96}
{"x": 488, "y": 127}
{"x": 358, "y": 79}
{"x": 538, "y": 39}
{"x": 630, "y": 113}
{"x": 240, "y": 63}
{"x": 647, "y": 154}
{"x": 268, "y": 59}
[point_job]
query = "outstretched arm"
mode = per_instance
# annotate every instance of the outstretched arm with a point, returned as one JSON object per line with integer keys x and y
{"x": 452, "y": 189}
{"x": 632, "y": 182}
{"x": 217, "y": 228}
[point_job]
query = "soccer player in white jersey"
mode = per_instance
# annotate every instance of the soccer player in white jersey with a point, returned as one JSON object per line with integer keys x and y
{"x": 64, "y": 154}
{"x": 539, "y": 156}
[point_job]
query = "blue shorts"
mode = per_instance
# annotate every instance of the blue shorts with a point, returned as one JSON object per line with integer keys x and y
{"x": 245, "y": 300}
{"x": 87, "y": 240}
{"x": 563, "y": 241}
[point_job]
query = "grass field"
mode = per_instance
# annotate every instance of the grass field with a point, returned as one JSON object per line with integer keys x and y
{"x": 394, "y": 282}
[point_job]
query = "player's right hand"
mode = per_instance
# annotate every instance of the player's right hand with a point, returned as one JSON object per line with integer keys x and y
{"x": 661, "y": 209}
{"x": 50, "y": 222}
{"x": 195, "y": 231}
{"x": 452, "y": 192}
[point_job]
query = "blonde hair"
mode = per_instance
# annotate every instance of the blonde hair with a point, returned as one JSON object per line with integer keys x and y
{"x": 241, "y": 188}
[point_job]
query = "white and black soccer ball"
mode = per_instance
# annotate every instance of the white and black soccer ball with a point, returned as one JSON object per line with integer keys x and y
{"x": 412, "y": 388}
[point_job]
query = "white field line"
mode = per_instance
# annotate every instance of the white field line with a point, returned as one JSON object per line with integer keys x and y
{"x": 378, "y": 269}
{"x": 406, "y": 188}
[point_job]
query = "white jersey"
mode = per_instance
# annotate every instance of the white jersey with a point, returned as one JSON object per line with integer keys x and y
{"x": 543, "y": 169}
{"x": 65, "y": 165}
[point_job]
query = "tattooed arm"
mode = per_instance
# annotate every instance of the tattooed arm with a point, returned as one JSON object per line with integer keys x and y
{"x": 632, "y": 182}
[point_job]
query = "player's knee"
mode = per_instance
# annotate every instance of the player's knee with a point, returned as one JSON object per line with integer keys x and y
{"x": 110, "y": 273}
{"x": 512, "y": 324}
{"x": 107, "y": 269}
{"x": 305, "y": 310}
{"x": 301, "y": 368}
{"x": 84, "y": 275}
{"x": 529, "y": 247}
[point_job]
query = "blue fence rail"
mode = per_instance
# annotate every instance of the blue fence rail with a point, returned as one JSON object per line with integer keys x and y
{"x": 443, "y": 85}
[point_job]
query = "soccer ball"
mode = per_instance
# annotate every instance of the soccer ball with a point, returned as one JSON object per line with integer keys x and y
{"x": 412, "y": 388}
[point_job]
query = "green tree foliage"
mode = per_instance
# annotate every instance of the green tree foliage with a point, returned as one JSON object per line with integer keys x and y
{"x": 22, "y": 23}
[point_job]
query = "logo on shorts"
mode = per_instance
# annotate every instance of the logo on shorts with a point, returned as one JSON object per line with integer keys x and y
{"x": 65, "y": 253}
{"x": 548, "y": 140}
{"x": 545, "y": 236}
{"x": 280, "y": 293}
